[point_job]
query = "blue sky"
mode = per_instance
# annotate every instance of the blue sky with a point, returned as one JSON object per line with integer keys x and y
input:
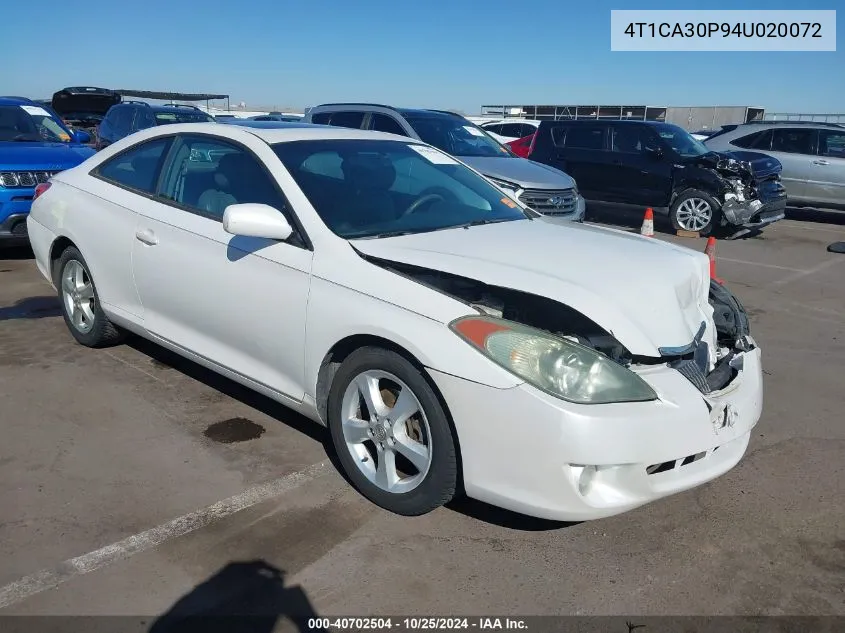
{"x": 450, "y": 54}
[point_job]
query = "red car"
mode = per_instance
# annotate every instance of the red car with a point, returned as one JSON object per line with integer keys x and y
{"x": 521, "y": 146}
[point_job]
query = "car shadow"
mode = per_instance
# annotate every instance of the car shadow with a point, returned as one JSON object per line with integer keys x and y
{"x": 32, "y": 308}
{"x": 487, "y": 513}
{"x": 243, "y": 597}
{"x": 819, "y": 216}
{"x": 23, "y": 251}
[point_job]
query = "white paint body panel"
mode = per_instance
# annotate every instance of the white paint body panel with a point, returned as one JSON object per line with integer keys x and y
{"x": 266, "y": 313}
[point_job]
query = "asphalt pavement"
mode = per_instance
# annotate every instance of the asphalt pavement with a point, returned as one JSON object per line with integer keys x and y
{"x": 133, "y": 480}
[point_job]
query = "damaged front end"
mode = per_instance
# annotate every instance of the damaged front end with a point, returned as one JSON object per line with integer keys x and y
{"x": 693, "y": 361}
{"x": 752, "y": 193}
{"x": 732, "y": 340}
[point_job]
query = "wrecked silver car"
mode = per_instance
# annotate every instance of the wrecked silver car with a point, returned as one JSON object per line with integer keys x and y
{"x": 659, "y": 165}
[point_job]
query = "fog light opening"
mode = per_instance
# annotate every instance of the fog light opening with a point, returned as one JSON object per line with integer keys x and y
{"x": 585, "y": 479}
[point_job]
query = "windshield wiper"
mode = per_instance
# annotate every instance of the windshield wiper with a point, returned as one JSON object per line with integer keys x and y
{"x": 481, "y": 222}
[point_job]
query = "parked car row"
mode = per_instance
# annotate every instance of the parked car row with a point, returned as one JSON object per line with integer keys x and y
{"x": 450, "y": 338}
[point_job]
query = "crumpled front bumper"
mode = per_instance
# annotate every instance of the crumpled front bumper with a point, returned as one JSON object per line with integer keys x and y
{"x": 529, "y": 452}
{"x": 768, "y": 207}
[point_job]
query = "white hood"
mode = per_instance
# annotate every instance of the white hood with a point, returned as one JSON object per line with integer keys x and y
{"x": 646, "y": 293}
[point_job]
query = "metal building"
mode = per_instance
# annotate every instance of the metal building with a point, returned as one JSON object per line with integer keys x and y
{"x": 689, "y": 118}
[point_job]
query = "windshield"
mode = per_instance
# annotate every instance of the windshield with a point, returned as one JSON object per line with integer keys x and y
{"x": 163, "y": 118}
{"x": 681, "y": 141}
{"x": 30, "y": 123}
{"x": 456, "y": 136}
{"x": 374, "y": 188}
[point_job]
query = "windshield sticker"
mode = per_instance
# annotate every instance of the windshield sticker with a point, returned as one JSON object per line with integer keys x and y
{"x": 508, "y": 203}
{"x": 434, "y": 156}
{"x": 35, "y": 110}
{"x": 473, "y": 131}
{"x": 64, "y": 136}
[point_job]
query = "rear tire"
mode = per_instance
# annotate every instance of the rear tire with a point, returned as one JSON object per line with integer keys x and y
{"x": 391, "y": 434}
{"x": 695, "y": 210}
{"x": 81, "y": 304}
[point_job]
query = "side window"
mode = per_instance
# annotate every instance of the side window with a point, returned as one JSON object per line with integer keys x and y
{"x": 137, "y": 168}
{"x": 206, "y": 175}
{"x": 512, "y": 130}
{"x": 384, "y": 123}
{"x": 527, "y": 130}
{"x": 832, "y": 143}
{"x": 757, "y": 140}
{"x": 347, "y": 119}
{"x": 793, "y": 140}
{"x": 559, "y": 135}
{"x": 585, "y": 137}
{"x": 495, "y": 128}
{"x": 321, "y": 118}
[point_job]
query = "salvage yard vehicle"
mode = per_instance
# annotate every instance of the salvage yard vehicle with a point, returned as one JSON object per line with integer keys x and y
{"x": 450, "y": 339}
{"x": 84, "y": 107}
{"x": 509, "y": 130}
{"x": 659, "y": 165}
{"x": 546, "y": 190}
{"x": 34, "y": 146}
{"x": 812, "y": 154}
{"x": 131, "y": 116}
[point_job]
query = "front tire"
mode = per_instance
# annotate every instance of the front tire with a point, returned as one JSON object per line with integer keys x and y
{"x": 81, "y": 304}
{"x": 695, "y": 210}
{"x": 391, "y": 434}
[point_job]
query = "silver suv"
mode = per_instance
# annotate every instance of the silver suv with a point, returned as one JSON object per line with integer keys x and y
{"x": 812, "y": 155}
{"x": 544, "y": 189}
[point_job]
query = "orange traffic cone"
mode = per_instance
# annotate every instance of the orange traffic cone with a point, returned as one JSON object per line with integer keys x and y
{"x": 647, "y": 228}
{"x": 710, "y": 251}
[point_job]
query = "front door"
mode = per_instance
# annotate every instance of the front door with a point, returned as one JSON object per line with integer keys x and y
{"x": 638, "y": 173}
{"x": 826, "y": 180}
{"x": 237, "y": 301}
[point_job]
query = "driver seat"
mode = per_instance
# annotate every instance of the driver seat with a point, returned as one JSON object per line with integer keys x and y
{"x": 370, "y": 179}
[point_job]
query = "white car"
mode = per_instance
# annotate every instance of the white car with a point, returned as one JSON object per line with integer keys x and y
{"x": 450, "y": 339}
{"x": 508, "y": 130}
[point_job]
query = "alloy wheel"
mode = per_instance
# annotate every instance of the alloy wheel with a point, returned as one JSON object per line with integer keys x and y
{"x": 78, "y": 294}
{"x": 693, "y": 214}
{"x": 386, "y": 431}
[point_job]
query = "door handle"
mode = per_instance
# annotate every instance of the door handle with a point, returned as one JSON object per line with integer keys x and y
{"x": 821, "y": 162}
{"x": 146, "y": 236}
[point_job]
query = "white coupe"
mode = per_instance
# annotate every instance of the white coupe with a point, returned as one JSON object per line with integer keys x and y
{"x": 452, "y": 340}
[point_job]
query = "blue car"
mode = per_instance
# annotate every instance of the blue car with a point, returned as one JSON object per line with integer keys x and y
{"x": 34, "y": 145}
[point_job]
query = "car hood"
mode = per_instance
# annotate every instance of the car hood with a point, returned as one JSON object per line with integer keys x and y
{"x": 520, "y": 171}
{"x": 42, "y": 156}
{"x": 646, "y": 293}
{"x": 740, "y": 163}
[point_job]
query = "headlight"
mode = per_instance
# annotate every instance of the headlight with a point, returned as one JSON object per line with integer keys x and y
{"x": 556, "y": 365}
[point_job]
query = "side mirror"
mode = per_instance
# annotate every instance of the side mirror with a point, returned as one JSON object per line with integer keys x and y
{"x": 256, "y": 220}
{"x": 81, "y": 136}
{"x": 654, "y": 153}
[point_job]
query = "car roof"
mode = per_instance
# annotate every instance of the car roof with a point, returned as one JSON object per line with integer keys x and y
{"x": 414, "y": 112}
{"x": 267, "y": 125}
{"x": 271, "y": 134}
{"x": 15, "y": 101}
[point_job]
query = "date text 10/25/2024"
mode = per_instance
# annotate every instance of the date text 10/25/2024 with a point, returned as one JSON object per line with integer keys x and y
{"x": 415, "y": 624}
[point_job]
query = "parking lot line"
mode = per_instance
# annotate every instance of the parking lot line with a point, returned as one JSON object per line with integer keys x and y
{"x": 775, "y": 266}
{"x": 49, "y": 578}
{"x": 804, "y": 273}
{"x": 133, "y": 366}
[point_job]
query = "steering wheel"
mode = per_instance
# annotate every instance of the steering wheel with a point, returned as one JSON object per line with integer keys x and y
{"x": 423, "y": 199}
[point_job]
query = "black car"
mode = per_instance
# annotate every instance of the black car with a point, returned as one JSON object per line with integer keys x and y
{"x": 131, "y": 116}
{"x": 659, "y": 165}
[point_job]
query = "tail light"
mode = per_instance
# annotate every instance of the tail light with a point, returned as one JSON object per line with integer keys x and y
{"x": 40, "y": 189}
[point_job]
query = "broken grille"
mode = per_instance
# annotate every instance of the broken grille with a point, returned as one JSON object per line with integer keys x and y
{"x": 663, "y": 467}
{"x": 550, "y": 202}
